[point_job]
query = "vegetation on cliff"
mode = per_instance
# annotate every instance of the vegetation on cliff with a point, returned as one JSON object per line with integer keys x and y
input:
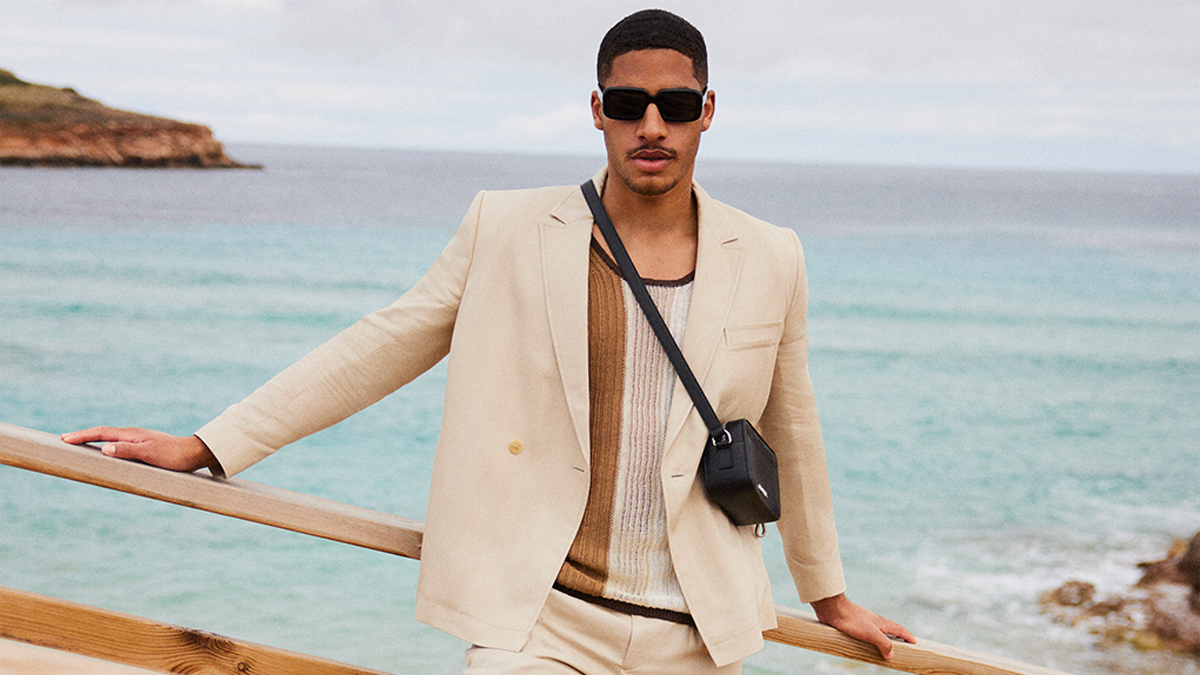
{"x": 50, "y": 126}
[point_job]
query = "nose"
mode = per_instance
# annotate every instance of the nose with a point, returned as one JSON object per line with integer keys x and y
{"x": 652, "y": 126}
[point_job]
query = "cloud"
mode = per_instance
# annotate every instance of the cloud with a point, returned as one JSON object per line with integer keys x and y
{"x": 426, "y": 32}
{"x": 1047, "y": 112}
{"x": 804, "y": 40}
{"x": 921, "y": 75}
{"x": 949, "y": 41}
{"x": 559, "y": 122}
{"x": 842, "y": 40}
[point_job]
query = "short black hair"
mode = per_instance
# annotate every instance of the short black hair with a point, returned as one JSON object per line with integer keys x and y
{"x": 653, "y": 29}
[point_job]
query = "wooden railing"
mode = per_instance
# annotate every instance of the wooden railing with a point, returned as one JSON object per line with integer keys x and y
{"x": 121, "y": 638}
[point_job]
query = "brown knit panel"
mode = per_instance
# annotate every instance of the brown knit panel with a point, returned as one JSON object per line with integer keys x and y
{"x": 586, "y": 568}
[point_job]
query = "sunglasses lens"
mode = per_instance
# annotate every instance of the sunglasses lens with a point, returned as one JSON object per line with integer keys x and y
{"x": 625, "y": 104}
{"x": 680, "y": 105}
{"x": 675, "y": 105}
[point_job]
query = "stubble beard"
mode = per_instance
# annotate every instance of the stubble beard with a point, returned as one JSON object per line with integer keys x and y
{"x": 648, "y": 189}
{"x": 651, "y": 185}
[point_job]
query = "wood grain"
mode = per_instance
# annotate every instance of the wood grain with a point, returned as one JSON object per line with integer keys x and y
{"x": 46, "y": 453}
{"x": 800, "y": 629}
{"x": 122, "y": 638}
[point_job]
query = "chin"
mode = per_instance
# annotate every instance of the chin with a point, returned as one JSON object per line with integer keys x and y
{"x": 650, "y": 186}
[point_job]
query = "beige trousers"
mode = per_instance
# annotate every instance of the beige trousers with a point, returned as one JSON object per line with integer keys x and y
{"x": 574, "y": 637}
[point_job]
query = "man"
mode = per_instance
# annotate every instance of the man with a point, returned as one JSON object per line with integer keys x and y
{"x": 567, "y": 529}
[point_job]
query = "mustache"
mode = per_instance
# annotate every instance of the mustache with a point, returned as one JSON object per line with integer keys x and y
{"x": 651, "y": 149}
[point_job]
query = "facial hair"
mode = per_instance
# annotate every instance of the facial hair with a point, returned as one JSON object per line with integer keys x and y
{"x": 649, "y": 189}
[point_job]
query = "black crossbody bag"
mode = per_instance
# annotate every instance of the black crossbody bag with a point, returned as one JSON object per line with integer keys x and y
{"x": 741, "y": 473}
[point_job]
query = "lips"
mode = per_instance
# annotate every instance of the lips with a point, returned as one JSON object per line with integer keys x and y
{"x": 651, "y": 160}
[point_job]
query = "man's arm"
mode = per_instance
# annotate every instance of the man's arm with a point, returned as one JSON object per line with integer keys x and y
{"x": 861, "y": 623}
{"x": 807, "y": 528}
{"x": 177, "y": 453}
{"x": 359, "y": 366}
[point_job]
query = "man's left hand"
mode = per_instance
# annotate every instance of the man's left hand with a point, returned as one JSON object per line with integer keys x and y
{"x": 860, "y": 623}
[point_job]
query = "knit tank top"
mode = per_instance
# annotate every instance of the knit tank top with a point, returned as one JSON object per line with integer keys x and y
{"x": 620, "y": 551}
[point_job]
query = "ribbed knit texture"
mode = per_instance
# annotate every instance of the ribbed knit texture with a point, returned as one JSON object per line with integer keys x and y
{"x": 620, "y": 551}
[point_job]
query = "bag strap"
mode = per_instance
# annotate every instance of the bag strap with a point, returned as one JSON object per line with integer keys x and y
{"x": 718, "y": 432}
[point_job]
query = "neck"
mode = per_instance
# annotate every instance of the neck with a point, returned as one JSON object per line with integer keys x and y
{"x": 673, "y": 212}
{"x": 658, "y": 231}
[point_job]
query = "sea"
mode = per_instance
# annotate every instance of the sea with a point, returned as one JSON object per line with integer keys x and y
{"x": 1006, "y": 363}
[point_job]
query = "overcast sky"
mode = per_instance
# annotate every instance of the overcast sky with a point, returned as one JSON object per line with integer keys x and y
{"x": 1107, "y": 85}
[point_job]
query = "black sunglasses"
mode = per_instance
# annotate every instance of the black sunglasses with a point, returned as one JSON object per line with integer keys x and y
{"x": 630, "y": 103}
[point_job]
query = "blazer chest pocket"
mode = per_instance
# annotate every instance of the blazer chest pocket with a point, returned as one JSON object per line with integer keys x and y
{"x": 751, "y": 336}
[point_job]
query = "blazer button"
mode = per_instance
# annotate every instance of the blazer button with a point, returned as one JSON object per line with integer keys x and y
{"x": 516, "y": 447}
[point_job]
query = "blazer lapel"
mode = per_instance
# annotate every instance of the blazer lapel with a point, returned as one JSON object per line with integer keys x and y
{"x": 565, "y": 240}
{"x": 718, "y": 269}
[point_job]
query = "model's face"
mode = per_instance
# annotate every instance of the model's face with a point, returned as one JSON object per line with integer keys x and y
{"x": 650, "y": 156}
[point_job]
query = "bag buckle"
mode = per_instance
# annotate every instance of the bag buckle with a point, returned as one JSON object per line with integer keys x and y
{"x": 722, "y": 439}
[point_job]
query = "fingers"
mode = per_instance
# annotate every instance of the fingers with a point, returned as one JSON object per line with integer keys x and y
{"x": 881, "y": 633}
{"x": 863, "y": 627}
{"x": 178, "y": 453}
{"x": 141, "y": 451}
{"x": 871, "y": 634}
{"x": 125, "y": 443}
{"x": 104, "y": 434}
{"x": 860, "y": 623}
{"x": 883, "y": 644}
{"x": 867, "y": 631}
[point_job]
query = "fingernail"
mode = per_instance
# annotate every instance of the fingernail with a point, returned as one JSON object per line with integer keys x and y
{"x": 109, "y": 449}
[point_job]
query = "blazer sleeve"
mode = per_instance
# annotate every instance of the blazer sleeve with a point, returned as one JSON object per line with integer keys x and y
{"x": 790, "y": 420}
{"x": 369, "y": 360}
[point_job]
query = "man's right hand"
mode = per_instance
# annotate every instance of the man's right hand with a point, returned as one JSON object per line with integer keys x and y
{"x": 177, "y": 453}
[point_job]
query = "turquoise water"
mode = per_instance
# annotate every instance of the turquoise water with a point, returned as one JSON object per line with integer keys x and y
{"x": 1007, "y": 367}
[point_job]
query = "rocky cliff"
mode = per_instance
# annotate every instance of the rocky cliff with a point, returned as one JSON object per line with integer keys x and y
{"x": 47, "y": 126}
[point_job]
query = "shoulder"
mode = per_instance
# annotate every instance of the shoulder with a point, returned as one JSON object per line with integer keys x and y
{"x": 513, "y": 223}
{"x": 531, "y": 201}
{"x": 758, "y": 236}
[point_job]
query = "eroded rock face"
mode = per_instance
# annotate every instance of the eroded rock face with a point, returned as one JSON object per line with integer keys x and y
{"x": 1160, "y": 611}
{"x": 47, "y": 126}
{"x": 125, "y": 145}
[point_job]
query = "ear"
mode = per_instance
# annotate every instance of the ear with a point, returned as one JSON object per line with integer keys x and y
{"x": 710, "y": 107}
{"x": 597, "y": 115}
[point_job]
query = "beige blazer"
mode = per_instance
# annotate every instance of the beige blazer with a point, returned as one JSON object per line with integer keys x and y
{"x": 507, "y": 300}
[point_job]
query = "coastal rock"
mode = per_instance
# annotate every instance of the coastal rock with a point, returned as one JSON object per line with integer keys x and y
{"x": 1160, "y": 611}
{"x": 1070, "y": 594}
{"x": 47, "y": 126}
